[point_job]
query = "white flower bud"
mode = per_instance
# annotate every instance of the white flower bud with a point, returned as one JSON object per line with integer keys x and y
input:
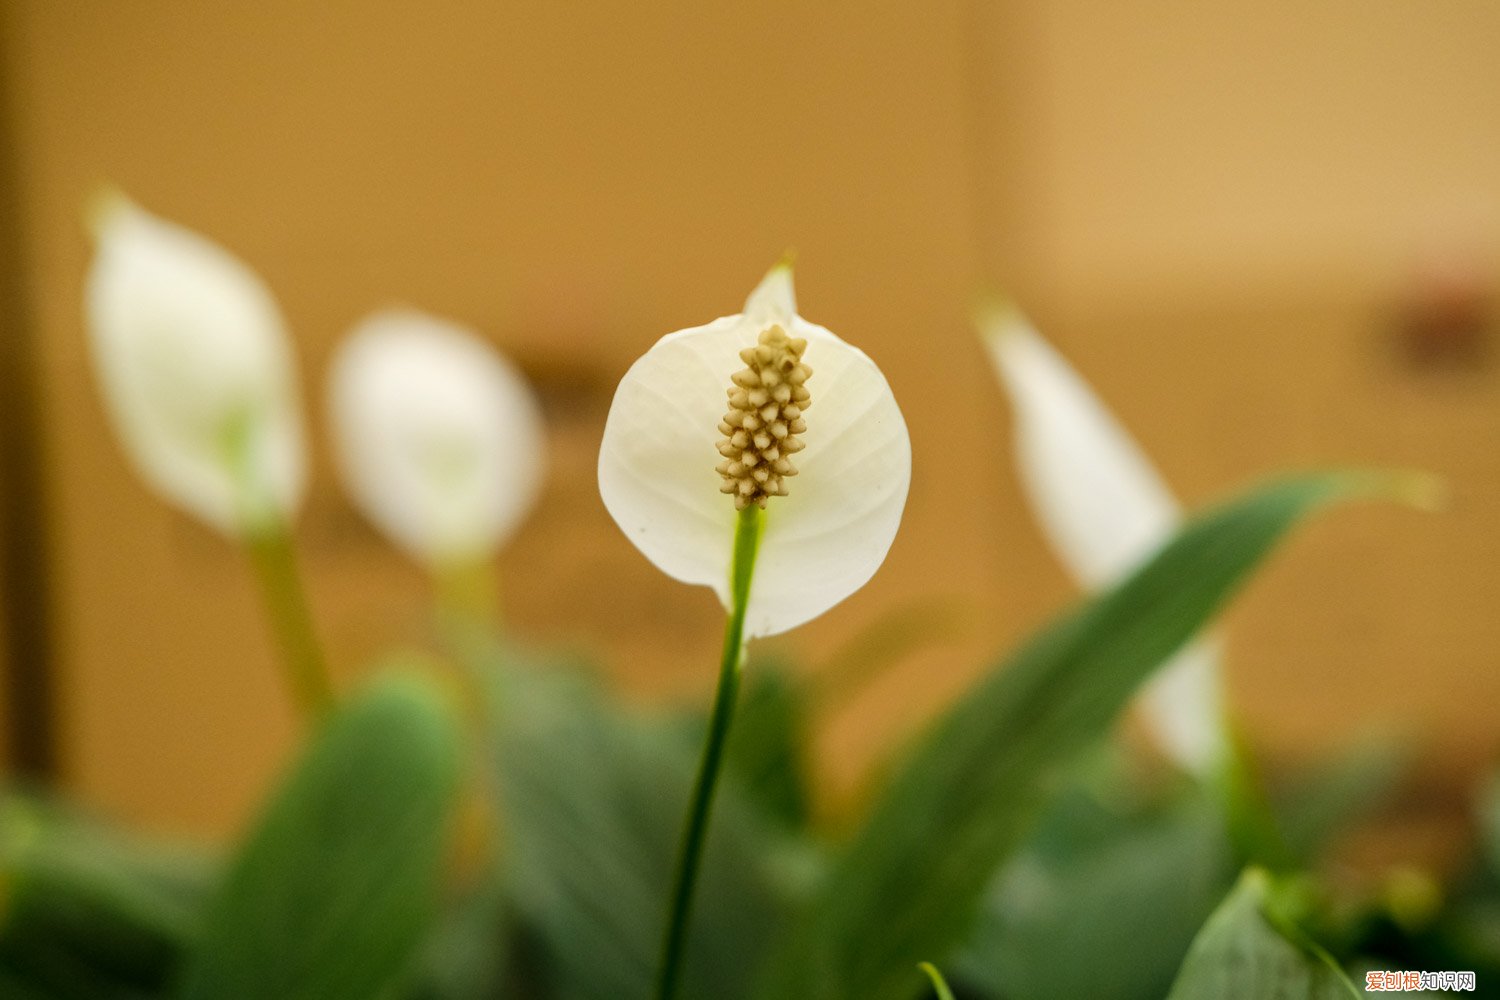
{"x": 196, "y": 371}
{"x": 438, "y": 437}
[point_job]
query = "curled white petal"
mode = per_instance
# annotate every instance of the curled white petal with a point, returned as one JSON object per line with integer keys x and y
{"x": 1103, "y": 507}
{"x": 1105, "y": 510}
{"x": 196, "y": 370}
{"x": 821, "y": 542}
{"x": 438, "y": 437}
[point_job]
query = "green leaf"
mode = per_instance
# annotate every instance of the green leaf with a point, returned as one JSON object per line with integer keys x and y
{"x": 1240, "y": 955}
{"x": 592, "y": 798}
{"x": 19, "y": 986}
{"x": 467, "y": 955}
{"x": 1128, "y": 890}
{"x": 1468, "y": 934}
{"x": 1489, "y": 821}
{"x": 1349, "y": 788}
{"x": 768, "y": 745}
{"x": 88, "y": 911}
{"x": 909, "y": 886}
{"x": 334, "y": 889}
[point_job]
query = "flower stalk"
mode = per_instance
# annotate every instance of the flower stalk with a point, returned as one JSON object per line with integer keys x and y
{"x": 468, "y": 593}
{"x": 747, "y": 535}
{"x": 275, "y": 563}
{"x": 267, "y": 538}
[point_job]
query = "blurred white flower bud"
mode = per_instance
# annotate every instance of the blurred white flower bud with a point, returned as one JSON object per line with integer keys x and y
{"x": 196, "y": 371}
{"x": 438, "y": 437}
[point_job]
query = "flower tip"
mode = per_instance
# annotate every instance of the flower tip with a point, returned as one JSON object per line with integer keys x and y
{"x": 104, "y": 208}
{"x": 999, "y": 318}
{"x": 1412, "y": 487}
{"x": 1422, "y": 490}
{"x": 939, "y": 984}
{"x": 775, "y": 298}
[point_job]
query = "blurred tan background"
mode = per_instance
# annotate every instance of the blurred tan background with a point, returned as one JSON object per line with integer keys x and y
{"x": 1267, "y": 234}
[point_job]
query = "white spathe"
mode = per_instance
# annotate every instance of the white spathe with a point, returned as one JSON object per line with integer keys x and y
{"x": 196, "y": 370}
{"x": 1105, "y": 510}
{"x": 438, "y": 437}
{"x": 821, "y": 542}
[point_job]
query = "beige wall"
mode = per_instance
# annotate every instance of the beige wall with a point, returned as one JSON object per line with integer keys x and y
{"x": 1206, "y": 209}
{"x": 1270, "y": 146}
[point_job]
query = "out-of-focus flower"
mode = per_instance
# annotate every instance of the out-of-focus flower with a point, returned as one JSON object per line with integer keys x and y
{"x": 1105, "y": 510}
{"x": 196, "y": 370}
{"x": 717, "y": 417}
{"x": 438, "y": 436}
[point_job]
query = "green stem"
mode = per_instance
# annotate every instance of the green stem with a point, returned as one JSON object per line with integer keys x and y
{"x": 275, "y": 563}
{"x": 746, "y": 542}
{"x": 468, "y": 594}
{"x": 267, "y": 536}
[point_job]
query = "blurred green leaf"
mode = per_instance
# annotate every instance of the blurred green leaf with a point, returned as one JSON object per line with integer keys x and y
{"x": 1471, "y": 936}
{"x": 909, "y": 886}
{"x": 19, "y": 986}
{"x": 91, "y": 912}
{"x": 1468, "y": 935}
{"x": 1240, "y": 955}
{"x": 334, "y": 889}
{"x": 768, "y": 745}
{"x": 592, "y": 799}
{"x": 467, "y": 955}
{"x": 1351, "y": 786}
{"x": 1128, "y": 890}
{"x": 1489, "y": 822}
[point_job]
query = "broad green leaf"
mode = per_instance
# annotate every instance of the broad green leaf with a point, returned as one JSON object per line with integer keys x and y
{"x": 907, "y": 889}
{"x": 89, "y": 912}
{"x": 1240, "y": 955}
{"x": 1127, "y": 889}
{"x": 336, "y": 886}
{"x": 592, "y": 798}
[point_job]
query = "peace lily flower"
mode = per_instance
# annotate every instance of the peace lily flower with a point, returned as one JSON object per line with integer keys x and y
{"x": 1105, "y": 510}
{"x": 197, "y": 374}
{"x": 762, "y": 408}
{"x": 196, "y": 370}
{"x": 719, "y": 467}
{"x": 438, "y": 437}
